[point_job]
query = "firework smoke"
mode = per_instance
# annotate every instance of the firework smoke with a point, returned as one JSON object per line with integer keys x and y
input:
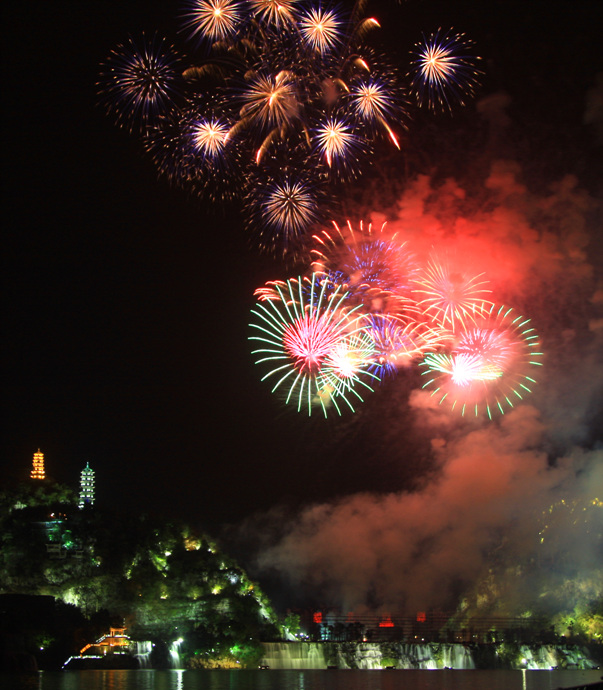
{"x": 491, "y": 500}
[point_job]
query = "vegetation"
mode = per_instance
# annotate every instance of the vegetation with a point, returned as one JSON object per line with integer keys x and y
{"x": 161, "y": 580}
{"x": 558, "y": 591}
{"x": 91, "y": 569}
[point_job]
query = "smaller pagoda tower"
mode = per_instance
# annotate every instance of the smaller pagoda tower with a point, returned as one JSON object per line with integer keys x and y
{"x": 86, "y": 486}
{"x": 37, "y": 471}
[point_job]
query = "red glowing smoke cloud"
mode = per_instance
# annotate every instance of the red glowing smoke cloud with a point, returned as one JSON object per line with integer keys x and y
{"x": 423, "y": 549}
{"x": 520, "y": 242}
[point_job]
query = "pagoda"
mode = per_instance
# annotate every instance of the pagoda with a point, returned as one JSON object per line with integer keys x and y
{"x": 86, "y": 486}
{"x": 37, "y": 471}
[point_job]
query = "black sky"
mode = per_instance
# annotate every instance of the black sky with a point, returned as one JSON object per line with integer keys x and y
{"x": 125, "y": 304}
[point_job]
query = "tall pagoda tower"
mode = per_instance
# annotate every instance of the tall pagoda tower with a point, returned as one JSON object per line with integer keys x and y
{"x": 86, "y": 486}
{"x": 37, "y": 471}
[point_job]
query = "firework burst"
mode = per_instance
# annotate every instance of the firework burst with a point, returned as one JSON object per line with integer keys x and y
{"x": 281, "y": 205}
{"x": 338, "y": 145}
{"x": 491, "y": 368}
{"x": 449, "y": 295}
{"x": 444, "y": 70}
{"x": 377, "y": 268}
{"x": 270, "y": 100}
{"x": 138, "y": 83}
{"x": 273, "y": 13}
{"x": 399, "y": 342}
{"x": 275, "y": 81}
{"x": 212, "y": 20}
{"x": 315, "y": 344}
{"x": 209, "y": 137}
{"x": 371, "y": 308}
{"x": 376, "y": 101}
{"x": 193, "y": 152}
{"x": 320, "y": 29}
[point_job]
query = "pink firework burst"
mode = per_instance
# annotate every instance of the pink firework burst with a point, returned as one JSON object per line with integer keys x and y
{"x": 315, "y": 343}
{"x": 492, "y": 366}
{"x": 375, "y": 266}
{"x": 310, "y": 339}
{"x": 449, "y": 295}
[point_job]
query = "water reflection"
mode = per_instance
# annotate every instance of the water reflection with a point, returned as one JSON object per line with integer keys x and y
{"x": 299, "y": 680}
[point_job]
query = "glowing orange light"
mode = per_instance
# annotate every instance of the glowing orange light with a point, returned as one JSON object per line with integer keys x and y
{"x": 421, "y": 617}
{"x": 37, "y": 471}
{"x": 317, "y": 617}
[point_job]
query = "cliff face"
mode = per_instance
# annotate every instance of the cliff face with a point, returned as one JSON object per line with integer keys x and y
{"x": 372, "y": 655}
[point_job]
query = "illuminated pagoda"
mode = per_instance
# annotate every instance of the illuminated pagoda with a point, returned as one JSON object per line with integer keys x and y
{"x": 37, "y": 471}
{"x": 86, "y": 487}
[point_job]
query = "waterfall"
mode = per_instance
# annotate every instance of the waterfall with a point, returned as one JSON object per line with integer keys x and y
{"x": 365, "y": 655}
{"x": 426, "y": 655}
{"x": 175, "y": 660}
{"x": 456, "y": 656}
{"x": 554, "y": 656}
{"x": 143, "y": 654}
{"x": 294, "y": 655}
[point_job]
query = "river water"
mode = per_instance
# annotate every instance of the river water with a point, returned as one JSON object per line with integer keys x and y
{"x": 299, "y": 680}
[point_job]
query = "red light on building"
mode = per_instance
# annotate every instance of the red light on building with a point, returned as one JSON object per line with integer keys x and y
{"x": 386, "y": 622}
{"x": 421, "y": 617}
{"x": 317, "y": 617}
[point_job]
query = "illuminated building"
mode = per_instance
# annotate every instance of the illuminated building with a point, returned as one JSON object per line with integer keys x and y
{"x": 37, "y": 471}
{"x": 116, "y": 638}
{"x": 86, "y": 486}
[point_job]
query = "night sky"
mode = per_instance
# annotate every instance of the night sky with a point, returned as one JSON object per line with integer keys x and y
{"x": 125, "y": 303}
